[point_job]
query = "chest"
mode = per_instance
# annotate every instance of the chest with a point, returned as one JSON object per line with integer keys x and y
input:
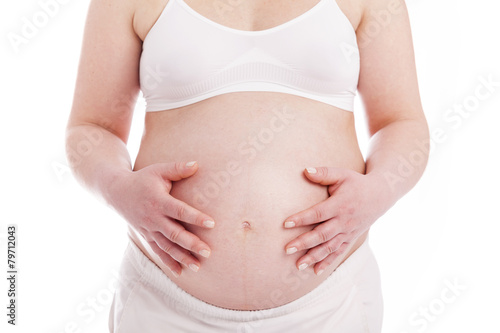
{"x": 256, "y": 15}
{"x": 245, "y": 15}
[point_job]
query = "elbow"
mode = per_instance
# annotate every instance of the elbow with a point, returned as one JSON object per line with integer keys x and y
{"x": 81, "y": 140}
{"x": 416, "y": 124}
{"x": 74, "y": 148}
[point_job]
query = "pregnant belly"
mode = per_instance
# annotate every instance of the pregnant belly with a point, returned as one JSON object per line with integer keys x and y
{"x": 250, "y": 179}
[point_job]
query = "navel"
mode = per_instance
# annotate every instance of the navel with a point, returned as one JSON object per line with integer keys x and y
{"x": 245, "y": 225}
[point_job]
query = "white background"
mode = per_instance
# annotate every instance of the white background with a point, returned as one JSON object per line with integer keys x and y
{"x": 445, "y": 229}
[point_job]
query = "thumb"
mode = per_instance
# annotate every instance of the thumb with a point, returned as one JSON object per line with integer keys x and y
{"x": 177, "y": 171}
{"x": 324, "y": 175}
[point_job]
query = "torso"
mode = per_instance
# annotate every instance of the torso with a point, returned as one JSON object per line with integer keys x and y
{"x": 252, "y": 148}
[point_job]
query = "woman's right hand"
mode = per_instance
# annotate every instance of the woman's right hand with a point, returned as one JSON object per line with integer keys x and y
{"x": 143, "y": 198}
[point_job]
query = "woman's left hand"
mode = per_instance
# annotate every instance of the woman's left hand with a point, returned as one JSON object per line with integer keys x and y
{"x": 356, "y": 201}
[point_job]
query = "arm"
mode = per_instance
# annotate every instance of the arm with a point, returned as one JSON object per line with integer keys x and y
{"x": 399, "y": 145}
{"x": 99, "y": 123}
{"x": 398, "y": 150}
{"x": 97, "y": 131}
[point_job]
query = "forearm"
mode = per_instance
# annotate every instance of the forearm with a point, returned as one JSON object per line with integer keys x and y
{"x": 397, "y": 157}
{"x": 96, "y": 157}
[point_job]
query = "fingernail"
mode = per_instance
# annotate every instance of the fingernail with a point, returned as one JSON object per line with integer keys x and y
{"x": 194, "y": 267}
{"x": 205, "y": 253}
{"x": 174, "y": 273}
{"x": 291, "y": 250}
{"x": 289, "y": 224}
{"x": 311, "y": 170}
{"x": 209, "y": 223}
{"x": 320, "y": 272}
{"x": 190, "y": 164}
{"x": 302, "y": 266}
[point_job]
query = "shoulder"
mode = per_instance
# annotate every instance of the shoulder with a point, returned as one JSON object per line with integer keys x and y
{"x": 146, "y": 12}
{"x": 118, "y": 8}
{"x": 381, "y": 12}
{"x": 382, "y": 18}
{"x": 373, "y": 13}
{"x": 119, "y": 13}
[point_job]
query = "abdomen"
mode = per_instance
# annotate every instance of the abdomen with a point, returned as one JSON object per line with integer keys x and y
{"x": 251, "y": 149}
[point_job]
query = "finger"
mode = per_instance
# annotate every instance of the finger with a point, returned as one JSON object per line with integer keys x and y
{"x": 325, "y": 176}
{"x": 177, "y": 253}
{"x": 181, "y": 211}
{"x": 320, "y": 252}
{"x": 166, "y": 259}
{"x": 319, "y": 235}
{"x": 177, "y": 234}
{"x": 176, "y": 171}
{"x": 321, "y": 266}
{"x": 320, "y": 212}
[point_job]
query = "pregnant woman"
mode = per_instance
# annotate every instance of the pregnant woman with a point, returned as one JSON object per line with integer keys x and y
{"x": 249, "y": 202}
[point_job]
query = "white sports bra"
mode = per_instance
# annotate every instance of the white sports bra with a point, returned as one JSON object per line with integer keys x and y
{"x": 187, "y": 58}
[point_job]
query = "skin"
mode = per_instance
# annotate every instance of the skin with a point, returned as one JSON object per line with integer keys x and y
{"x": 330, "y": 183}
